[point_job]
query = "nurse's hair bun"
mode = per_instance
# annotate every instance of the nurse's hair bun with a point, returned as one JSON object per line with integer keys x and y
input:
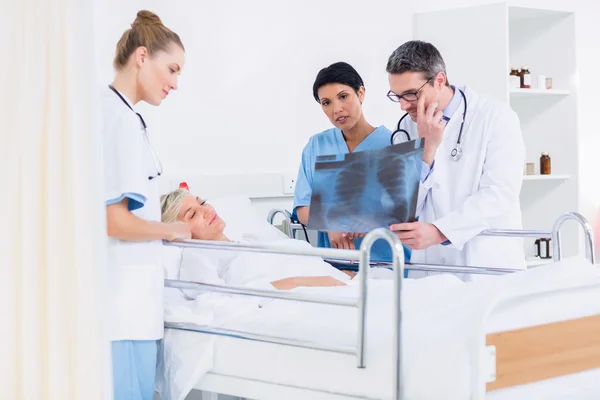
{"x": 146, "y": 31}
{"x": 145, "y": 17}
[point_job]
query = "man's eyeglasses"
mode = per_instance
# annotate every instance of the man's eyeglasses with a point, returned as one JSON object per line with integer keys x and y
{"x": 410, "y": 97}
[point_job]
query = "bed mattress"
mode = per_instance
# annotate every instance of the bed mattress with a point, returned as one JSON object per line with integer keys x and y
{"x": 441, "y": 322}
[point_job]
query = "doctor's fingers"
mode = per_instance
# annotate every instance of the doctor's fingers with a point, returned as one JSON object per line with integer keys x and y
{"x": 421, "y": 107}
{"x": 413, "y": 244}
{"x": 431, "y": 110}
{"x": 407, "y": 235}
{"x": 438, "y": 117}
{"x": 405, "y": 226}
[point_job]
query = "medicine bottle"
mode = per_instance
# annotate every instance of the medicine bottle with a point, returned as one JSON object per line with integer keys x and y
{"x": 514, "y": 78}
{"x": 545, "y": 167}
{"x": 525, "y": 78}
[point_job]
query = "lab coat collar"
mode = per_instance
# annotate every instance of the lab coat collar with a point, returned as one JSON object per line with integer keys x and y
{"x": 453, "y": 105}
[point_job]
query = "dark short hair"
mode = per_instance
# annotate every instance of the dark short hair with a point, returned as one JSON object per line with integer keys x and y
{"x": 339, "y": 72}
{"x": 416, "y": 56}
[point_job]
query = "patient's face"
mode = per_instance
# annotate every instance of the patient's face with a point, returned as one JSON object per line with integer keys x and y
{"x": 206, "y": 223}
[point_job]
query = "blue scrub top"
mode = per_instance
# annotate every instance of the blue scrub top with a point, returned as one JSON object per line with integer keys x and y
{"x": 331, "y": 142}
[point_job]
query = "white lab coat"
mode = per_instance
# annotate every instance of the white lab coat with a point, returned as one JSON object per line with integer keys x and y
{"x": 135, "y": 277}
{"x": 478, "y": 192}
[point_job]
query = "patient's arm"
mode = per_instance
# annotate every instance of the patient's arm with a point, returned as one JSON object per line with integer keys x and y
{"x": 314, "y": 281}
{"x": 351, "y": 274}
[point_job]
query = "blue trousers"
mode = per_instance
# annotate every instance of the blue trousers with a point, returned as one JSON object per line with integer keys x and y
{"x": 134, "y": 369}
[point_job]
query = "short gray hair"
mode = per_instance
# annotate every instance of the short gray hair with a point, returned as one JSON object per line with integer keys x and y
{"x": 416, "y": 56}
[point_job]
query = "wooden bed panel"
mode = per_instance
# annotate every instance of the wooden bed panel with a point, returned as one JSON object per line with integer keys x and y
{"x": 545, "y": 351}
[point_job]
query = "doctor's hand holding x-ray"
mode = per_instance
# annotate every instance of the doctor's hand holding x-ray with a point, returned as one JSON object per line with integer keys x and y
{"x": 472, "y": 165}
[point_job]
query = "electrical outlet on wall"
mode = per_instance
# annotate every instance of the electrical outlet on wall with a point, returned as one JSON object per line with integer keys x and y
{"x": 289, "y": 184}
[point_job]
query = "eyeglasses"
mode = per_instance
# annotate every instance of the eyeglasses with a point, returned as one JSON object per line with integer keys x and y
{"x": 410, "y": 97}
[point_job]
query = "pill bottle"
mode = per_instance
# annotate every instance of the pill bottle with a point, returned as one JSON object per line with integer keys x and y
{"x": 545, "y": 165}
{"x": 525, "y": 78}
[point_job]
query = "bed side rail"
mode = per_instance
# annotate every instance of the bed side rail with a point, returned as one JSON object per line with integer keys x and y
{"x": 362, "y": 256}
{"x": 587, "y": 230}
{"x": 554, "y": 234}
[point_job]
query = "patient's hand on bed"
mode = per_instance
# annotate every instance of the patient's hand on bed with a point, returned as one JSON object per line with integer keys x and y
{"x": 351, "y": 274}
{"x": 314, "y": 281}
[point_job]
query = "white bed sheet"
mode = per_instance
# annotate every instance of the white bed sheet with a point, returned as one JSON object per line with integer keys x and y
{"x": 440, "y": 323}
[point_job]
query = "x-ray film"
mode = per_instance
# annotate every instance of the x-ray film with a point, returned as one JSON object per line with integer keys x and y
{"x": 361, "y": 191}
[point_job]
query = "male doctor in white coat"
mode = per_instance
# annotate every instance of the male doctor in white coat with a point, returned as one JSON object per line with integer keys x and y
{"x": 467, "y": 185}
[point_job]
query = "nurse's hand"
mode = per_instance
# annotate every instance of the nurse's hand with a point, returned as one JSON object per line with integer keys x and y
{"x": 355, "y": 235}
{"x": 430, "y": 126}
{"x": 418, "y": 235}
{"x": 179, "y": 231}
{"x": 341, "y": 240}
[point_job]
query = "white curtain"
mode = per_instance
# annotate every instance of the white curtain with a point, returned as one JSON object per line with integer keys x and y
{"x": 52, "y": 225}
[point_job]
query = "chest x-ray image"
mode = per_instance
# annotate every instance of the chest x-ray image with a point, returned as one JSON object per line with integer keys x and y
{"x": 358, "y": 192}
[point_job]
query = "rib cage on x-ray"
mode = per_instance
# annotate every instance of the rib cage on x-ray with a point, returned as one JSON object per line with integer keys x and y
{"x": 361, "y": 191}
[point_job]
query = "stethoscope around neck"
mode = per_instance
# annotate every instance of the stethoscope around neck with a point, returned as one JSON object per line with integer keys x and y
{"x": 457, "y": 151}
{"x": 155, "y": 159}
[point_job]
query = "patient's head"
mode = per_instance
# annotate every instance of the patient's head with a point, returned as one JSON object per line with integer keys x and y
{"x": 181, "y": 205}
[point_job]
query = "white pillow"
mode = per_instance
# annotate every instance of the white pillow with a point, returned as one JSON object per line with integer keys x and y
{"x": 243, "y": 222}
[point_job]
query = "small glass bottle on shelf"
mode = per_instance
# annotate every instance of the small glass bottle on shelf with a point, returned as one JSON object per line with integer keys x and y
{"x": 525, "y": 78}
{"x": 514, "y": 78}
{"x": 545, "y": 164}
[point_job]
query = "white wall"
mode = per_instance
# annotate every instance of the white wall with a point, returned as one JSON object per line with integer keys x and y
{"x": 245, "y": 102}
{"x": 245, "y": 98}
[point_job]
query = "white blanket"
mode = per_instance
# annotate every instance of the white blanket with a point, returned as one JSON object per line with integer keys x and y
{"x": 441, "y": 321}
{"x": 251, "y": 269}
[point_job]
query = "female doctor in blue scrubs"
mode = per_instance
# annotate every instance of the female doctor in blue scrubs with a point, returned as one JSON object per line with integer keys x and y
{"x": 340, "y": 91}
{"x": 148, "y": 60}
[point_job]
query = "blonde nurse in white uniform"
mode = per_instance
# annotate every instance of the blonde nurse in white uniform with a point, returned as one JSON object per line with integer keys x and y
{"x": 148, "y": 60}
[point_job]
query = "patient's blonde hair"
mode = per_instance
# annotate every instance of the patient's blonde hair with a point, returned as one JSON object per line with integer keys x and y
{"x": 170, "y": 204}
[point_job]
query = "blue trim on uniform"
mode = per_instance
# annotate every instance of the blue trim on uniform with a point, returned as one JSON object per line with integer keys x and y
{"x": 134, "y": 369}
{"x": 135, "y": 202}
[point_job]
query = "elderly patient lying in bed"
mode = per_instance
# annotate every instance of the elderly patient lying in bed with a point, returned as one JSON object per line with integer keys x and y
{"x": 282, "y": 272}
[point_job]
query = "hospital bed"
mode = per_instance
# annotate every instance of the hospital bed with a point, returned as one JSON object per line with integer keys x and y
{"x": 535, "y": 342}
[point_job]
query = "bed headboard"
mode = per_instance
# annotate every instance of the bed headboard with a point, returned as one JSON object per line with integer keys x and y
{"x": 253, "y": 186}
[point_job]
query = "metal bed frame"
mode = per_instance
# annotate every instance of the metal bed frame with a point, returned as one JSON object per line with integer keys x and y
{"x": 363, "y": 257}
{"x": 292, "y": 228}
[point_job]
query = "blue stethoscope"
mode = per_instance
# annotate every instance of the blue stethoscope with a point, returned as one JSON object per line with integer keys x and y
{"x": 457, "y": 151}
{"x": 155, "y": 159}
